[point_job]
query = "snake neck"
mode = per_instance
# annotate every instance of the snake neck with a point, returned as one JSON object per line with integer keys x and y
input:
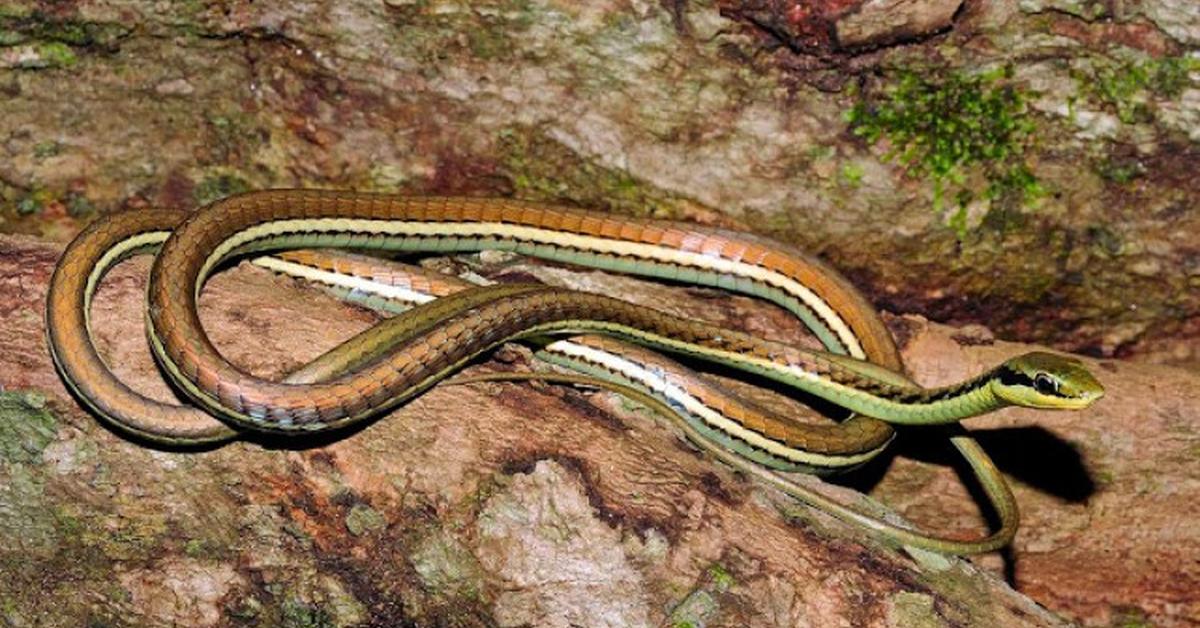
{"x": 925, "y": 406}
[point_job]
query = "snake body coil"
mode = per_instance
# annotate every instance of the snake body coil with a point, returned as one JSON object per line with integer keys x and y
{"x": 409, "y": 353}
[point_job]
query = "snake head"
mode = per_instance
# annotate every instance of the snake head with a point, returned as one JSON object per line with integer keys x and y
{"x": 1045, "y": 380}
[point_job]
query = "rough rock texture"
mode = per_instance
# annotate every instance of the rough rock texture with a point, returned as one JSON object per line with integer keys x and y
{"x": 825, "y": 28}
{"x": 878, "y": 22}
{"x": 536, "y": 505}
{"x": 1028, "y": 165}
{"x": 1078, "y": 220}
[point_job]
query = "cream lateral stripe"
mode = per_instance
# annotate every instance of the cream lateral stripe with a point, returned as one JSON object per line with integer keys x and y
{"x": 611, "y": 362}
{"x": 656, "y": 382}
{"x": 661, "y": 385}
{"x": 572, "y": 350}
{"x": 795, "y": 375}
{"x": 341, "y": 280}
{"x": 788, "y": 374}
{"x": 506, "y": 231}
{"x": 113, "y": 255}
{"x": 783, "y": 373}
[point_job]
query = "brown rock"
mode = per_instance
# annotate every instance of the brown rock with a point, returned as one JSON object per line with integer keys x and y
{"x": 730, "y": 108}
{"x": 879, "y": 22}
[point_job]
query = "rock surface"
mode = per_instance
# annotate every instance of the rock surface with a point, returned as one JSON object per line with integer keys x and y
{"x": 734, "y": 109}
{"x": 879, "y": 22}
{"x": 537, "y": 505}
{"x": 1062, "y": 211}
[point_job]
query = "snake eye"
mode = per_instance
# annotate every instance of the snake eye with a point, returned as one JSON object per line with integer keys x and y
{"x": 1045, "y": 384}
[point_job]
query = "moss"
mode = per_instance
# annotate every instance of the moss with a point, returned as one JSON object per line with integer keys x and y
{"x": 1085, "y": 9}
{"x": 219, "y": 186}
{"x": 129, "y": 539}
{"x": 951, "y": 126}
{"x": 1130, "y": 617}
{"x": 697, "y": 609}
{"x": 1127, "y": 88}
{"x": 56, "y": 54}
{"x": 195, "y": 548}
{"x": 295, "y": 614}
{"x": 69, "y": 525}
{"x": 79, "y": 206}
{"x": 700, "y": 606}
{"x": 852, "y": 174}
{"x": 33, "y": 202}
{"x": 40, "y": 27}
{"x": 1004, "y": 220}
{"x": 820, "y": 152}
{"x": 363, "y": 519}
{"x": 1104, "y": 241}
{"x": 54, "y": 41}
{"x": 13, "y": 10}
{"x": 446, "y": 567}
{"x": 26, "y": 427}
{"x": 29, "y": 205}
{"x": 47, "y": 149}
{"x": 233, "y": 134}
{"x": 721, "y": 577}
{"x": 914, "y": 609}
{"x": 1119, "y": 170}
{"x": 488, "y": 44}
{"x": 245, "y": 608}
{"x": 27, "y": 527}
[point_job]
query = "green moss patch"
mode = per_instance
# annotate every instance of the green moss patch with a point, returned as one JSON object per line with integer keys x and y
{"x": 950, "y": 127}
{"x": 17, "y": 27}
{"x": 26, "y": 427}
{"x": 446, "y": 567}
{"x": 218, "y": 186}
{"x": 1129, "y": 89}
{"x": 703, "y": 604}
{"x": 297, "y": 614}
{"x": 363, "y": 519}
{"x": 52, "y": 42}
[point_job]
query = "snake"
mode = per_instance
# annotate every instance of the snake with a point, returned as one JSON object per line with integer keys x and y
{"x": 437, "y": 338}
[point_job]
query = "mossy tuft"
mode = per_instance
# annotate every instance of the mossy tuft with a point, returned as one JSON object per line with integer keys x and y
{"x": 948, "y": 127}
{"x": 79, "y": 206}
{"x": 19, "y": 27}
{"x": 26, "y": 427}
{"x": 363, "y": 519}
{"x": 1121, "y": 170}
{"x": 852, "y": 174}
{"x": 54, "y": 42}
{"x": 53, "y": 54}
{"x": 1130, "y": 617}
{"x": 1127, "y": 88}
{"x": 297, "y": 614}
{"x": 30, "y": 205}
{"x": 219, "y": 186}
{"x": 721, "y": 577}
